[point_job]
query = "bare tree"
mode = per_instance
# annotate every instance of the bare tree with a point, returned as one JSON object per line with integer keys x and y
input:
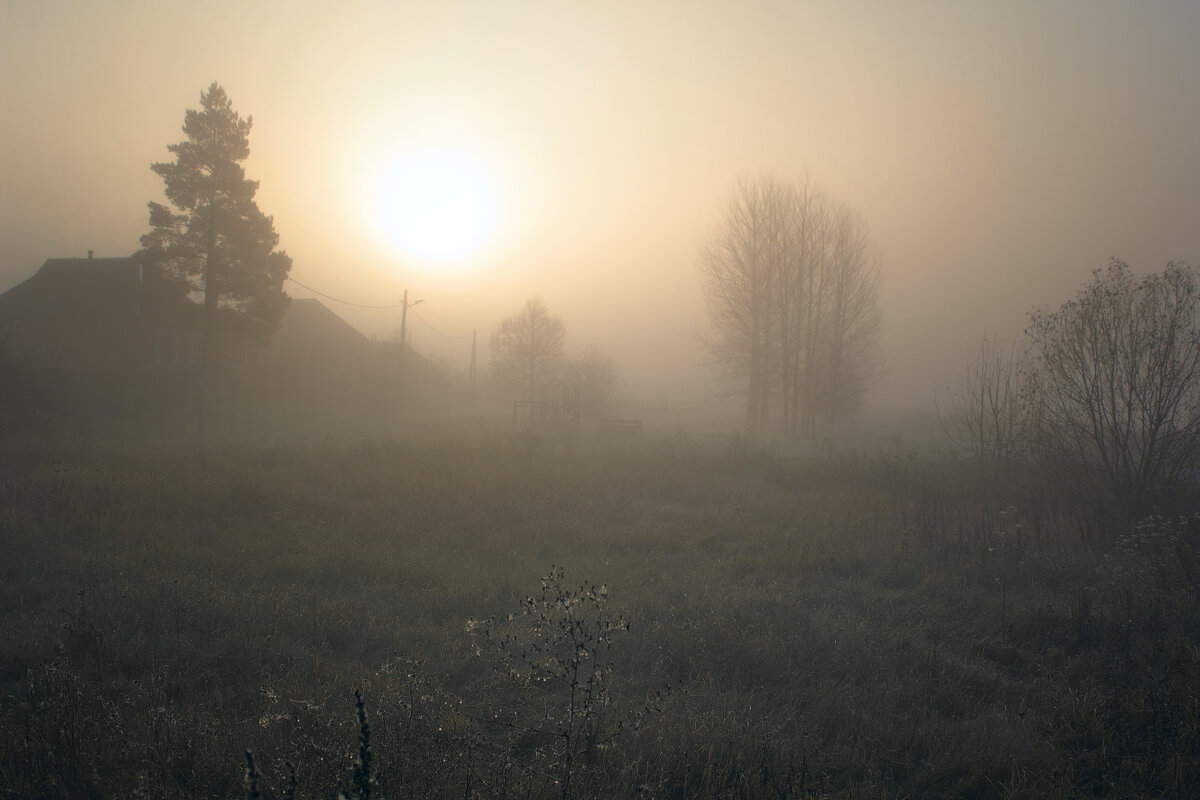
{"x": 805, "y": 294}
{"x": 986, "y": 417}
{"x": 527, "y": 347}
{"x": 740, "y": 267}
{"x": 595, "y": 375}
{"x": 1115, "y": 379}
{"x": 791, "y": 289}
{"x": 853, "y": 321}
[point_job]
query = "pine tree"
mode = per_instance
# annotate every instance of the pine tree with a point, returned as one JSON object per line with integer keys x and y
{"x": 213, "y": 238}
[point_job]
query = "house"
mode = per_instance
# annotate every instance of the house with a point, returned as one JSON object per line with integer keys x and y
{"x": 108, "y": 347}
{"x": 114, "y": 315}
{"x": 105, "y": 314}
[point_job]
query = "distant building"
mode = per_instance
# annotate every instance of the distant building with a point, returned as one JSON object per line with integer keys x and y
{"x": 114, "y": 315}
{"x": 107, "y": 347}
{"x": 107, "y": 314}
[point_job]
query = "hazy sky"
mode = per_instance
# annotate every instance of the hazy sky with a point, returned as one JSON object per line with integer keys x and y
{"x": 999, "y": 151}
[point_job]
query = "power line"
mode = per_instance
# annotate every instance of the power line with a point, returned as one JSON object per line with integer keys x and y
{"x": 411, "y": 307}
{"x": 338, "y": 299}
{"x": 435, "y": 330}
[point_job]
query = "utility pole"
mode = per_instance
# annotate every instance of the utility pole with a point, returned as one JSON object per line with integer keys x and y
{"x": 471, "y": 380}
{"x": 403, "y": 320}
{"x": 403, "y": 340}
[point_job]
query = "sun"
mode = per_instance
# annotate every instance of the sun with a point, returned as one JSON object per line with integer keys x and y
{"x": 438, "y": 207}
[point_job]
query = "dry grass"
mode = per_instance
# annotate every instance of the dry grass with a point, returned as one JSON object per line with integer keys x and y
{"x": 871, "y": 627}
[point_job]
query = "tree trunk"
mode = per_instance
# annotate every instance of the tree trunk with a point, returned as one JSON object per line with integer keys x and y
{"x": 212, "y": 296}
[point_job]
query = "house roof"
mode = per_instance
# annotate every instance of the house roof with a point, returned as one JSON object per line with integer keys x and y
{"x": 84, "y": 312}
{"x": 94, "y": 312}
{"x": 311, "y": 334}
{"x": 74, "y": 284}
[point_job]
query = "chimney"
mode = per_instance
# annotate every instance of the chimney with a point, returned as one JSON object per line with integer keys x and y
{"x": 91, "y": 253}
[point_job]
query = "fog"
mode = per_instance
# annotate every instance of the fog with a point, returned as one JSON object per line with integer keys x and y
{"x": 999, "y": 153}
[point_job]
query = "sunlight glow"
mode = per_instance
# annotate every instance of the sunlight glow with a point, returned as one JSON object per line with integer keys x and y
{"x": 437, "y": 206}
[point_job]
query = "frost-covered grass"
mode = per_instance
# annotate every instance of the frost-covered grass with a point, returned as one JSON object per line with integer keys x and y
{"x": 869, "y": 627}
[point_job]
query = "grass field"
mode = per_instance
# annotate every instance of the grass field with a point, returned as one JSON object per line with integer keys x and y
{"x": 860, "y": 627}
